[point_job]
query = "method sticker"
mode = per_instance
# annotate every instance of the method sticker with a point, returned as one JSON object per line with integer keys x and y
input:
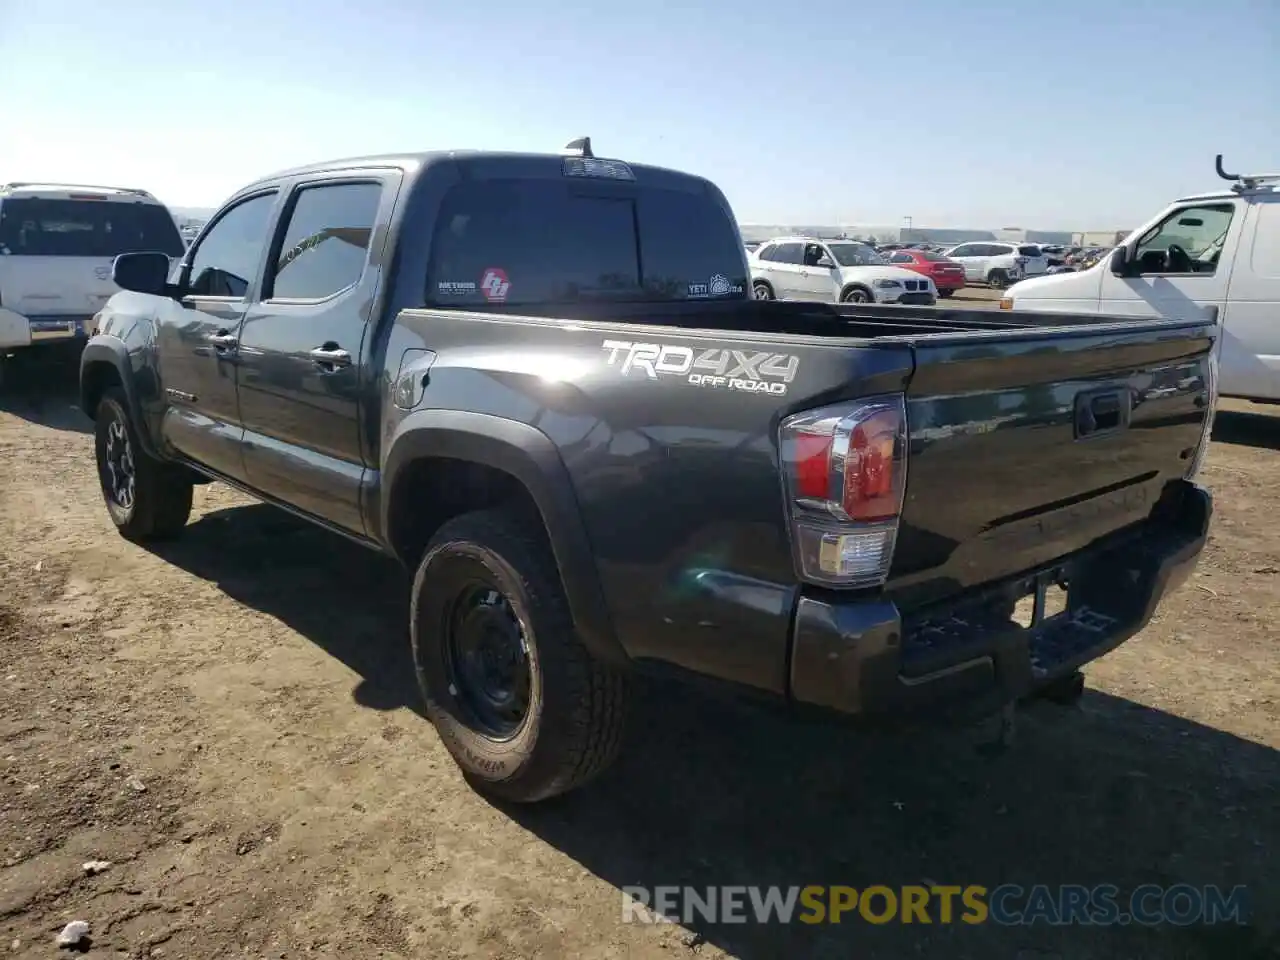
{"x": 494, "y": 285}
{"x": 455, "y": 288}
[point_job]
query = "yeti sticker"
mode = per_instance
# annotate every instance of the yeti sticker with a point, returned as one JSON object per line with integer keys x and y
{"x": 717, "y": 286}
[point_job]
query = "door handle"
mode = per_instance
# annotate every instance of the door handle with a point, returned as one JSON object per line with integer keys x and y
{"x": 330, "y": 358}
{"x": 223, "y": 340}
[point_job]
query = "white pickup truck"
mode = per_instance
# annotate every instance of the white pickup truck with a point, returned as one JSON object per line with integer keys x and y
{"x": 1214, "y": 254}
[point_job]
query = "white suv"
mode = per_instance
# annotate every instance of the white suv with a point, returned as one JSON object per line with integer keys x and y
{"x": 999, "y": 264}
{"x": 833, "y": 271}
{"x": 57, "y": 245}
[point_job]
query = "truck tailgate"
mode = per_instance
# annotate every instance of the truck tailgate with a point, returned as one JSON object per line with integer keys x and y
{"x": 1029, "y": 445}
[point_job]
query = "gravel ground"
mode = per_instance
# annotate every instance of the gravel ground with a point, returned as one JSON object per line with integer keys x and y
{"x": 230, "y": 722}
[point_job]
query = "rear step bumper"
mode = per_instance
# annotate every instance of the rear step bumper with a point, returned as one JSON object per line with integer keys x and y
{"x": 965, "y": 657}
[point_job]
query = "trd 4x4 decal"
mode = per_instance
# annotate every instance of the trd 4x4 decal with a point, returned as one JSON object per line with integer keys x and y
{"x": 721, "y": 368}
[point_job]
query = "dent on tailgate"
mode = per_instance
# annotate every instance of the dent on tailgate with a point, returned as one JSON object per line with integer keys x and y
{"x": 1023, "y": 452}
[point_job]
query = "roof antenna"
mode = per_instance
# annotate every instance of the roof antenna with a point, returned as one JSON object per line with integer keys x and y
{"x": 1217, "y": 162}
{"x": 581, "y": 147}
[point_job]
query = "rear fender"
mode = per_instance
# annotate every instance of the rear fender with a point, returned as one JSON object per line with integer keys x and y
{"x": 530, "y": 457}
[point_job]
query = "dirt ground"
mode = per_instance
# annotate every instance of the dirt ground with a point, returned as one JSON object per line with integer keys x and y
{"x": 230, "y": 721}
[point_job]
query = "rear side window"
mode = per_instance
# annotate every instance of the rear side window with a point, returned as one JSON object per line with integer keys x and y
{"x": 546, "y": 241}
{"x": 327, "y": 241}
{"x": 788, "y": 253}
{"x": 35, "y": 227}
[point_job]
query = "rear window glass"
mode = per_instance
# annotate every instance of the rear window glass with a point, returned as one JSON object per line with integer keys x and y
{"x": 545, "y": 241}
{"x": 932, "y": 257}
{"x": 35, "y": 227}
{"x": 1029, "y": 251}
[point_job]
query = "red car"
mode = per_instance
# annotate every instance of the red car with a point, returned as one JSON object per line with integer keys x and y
{"x": 947, "y": 275}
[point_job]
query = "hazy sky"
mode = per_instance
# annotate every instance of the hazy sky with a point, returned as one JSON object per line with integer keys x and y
{"x": 1074, "y": 114}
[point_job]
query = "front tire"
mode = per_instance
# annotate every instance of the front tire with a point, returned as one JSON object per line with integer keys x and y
{"x": 522, "y": 706}
{"x": 855, "y": 295}
{"x": 146, "y": 498}
{"x": 945, "y": 293}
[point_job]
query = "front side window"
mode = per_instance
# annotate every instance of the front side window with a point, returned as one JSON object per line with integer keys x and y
{"x": 1187, "y": 241}
{"x": 227, "y": 259}
{"x": 326, "y": 243}
{"x": 36, "y": 227}
{"x": 546, "y": 241}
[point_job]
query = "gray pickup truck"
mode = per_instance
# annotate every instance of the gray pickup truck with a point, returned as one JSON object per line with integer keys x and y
{"x": 541, "y": 382}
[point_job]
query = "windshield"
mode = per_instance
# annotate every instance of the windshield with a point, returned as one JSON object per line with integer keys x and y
{"x": 855, "y": 255}
{"x": 545, "y": 241}
{"x": 34, "y": 227}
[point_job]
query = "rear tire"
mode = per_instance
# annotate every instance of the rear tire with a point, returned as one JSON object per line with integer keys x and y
{"x": 146, "y": 498}
{"x": 945, "y": 293}
{"x": 998, "y": 279}
{"x": 761, "y": 290}
{"x": 522, "y": 706}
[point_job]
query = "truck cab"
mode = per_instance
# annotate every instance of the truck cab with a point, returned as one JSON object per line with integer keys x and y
{"x": 1214, "y": 255}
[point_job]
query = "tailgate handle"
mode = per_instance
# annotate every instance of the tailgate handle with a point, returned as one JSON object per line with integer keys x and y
{"x": 1102, "y": 411}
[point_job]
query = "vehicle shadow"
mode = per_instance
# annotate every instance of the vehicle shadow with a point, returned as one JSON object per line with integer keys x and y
{"x": 1247, "y": 429}
{"x": 270, "y": 561}
{"x": 715, "y": 793}
{"x": 43, "y": 389}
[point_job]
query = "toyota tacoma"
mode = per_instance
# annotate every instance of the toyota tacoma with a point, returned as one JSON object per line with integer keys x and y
{"x": 542, "y": 383}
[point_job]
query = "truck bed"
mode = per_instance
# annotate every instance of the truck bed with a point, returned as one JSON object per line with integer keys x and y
{"x": 780, "y": 318}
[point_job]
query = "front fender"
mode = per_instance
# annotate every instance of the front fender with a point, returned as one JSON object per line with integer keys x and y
{"x": 107, "y": 351}
{"x": 527, "y": 454}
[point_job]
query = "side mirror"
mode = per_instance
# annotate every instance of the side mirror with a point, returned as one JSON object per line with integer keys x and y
{"x": 142, "y": 273}
{"x": 1120, "y": 262}
{"x": 826, "y": 262}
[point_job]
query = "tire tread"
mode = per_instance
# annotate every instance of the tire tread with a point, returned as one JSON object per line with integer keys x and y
{"x": 585, "y": 742}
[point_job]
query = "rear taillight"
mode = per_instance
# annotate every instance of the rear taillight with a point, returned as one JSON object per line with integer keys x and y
{"x": 1211, "y": 401}
{"x": 845, "y": 470}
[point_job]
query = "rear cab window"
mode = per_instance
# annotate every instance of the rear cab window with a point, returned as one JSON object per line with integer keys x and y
{"x": 40, "y": 227}
{"x": 543, "y": 241}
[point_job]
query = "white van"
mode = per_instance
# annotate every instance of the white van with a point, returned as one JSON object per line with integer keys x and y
{"x": 57, "y": 244}
{"x": 1216, "y": 254}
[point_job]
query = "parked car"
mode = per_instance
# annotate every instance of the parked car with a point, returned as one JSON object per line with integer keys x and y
{"x": 998, "y": 264}
{"x": 1215, "y": 255}
{"x": 541, "y": 383}
{"x": 833, "y": 271}
{"x": 947, "y": 275}
{"x": 57, "y": 243}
